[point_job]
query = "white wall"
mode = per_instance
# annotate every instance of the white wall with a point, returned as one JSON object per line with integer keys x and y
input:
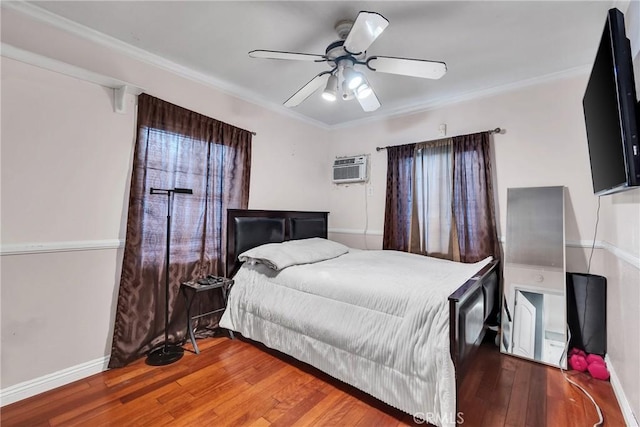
{"x": 620, "y": 232}
{"x": 66, "y": 159}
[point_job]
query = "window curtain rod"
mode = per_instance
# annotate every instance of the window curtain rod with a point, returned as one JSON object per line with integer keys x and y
{"x": 496, "y": 130}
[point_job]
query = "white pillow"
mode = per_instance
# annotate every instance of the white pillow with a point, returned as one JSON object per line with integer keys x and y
{"x": 278, "y": 256}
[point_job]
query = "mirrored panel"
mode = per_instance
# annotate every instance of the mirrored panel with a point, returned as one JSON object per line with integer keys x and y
{"x": 533, "y": 307}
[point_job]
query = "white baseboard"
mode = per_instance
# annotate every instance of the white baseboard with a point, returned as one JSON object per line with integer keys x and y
{"x": 625, "y": 407}
{"x": 48, "y": 382}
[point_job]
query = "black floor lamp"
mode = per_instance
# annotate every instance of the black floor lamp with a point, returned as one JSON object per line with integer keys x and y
{"x": 167, "y": 353}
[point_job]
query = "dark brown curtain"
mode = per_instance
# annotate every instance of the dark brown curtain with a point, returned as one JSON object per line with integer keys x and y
{"x": 473, "y": 203}
{"x": 399, "y": 200}
{"x": 175, "y": 147}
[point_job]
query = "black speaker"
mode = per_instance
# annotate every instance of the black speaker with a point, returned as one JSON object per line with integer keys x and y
{"x": 587, "y": 312}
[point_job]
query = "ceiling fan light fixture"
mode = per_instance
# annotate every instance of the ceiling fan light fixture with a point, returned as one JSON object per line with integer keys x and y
{"x": 352, "y": 77}
{"x": 328, "y": 96}
{"x": 364, "y": 90}
{"x": 347, "y": 94}
{"x": 356, "y": 80}
{"x": 330, "y": 92}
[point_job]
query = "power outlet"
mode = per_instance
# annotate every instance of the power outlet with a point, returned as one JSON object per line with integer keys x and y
{"x": 370, "y": 190}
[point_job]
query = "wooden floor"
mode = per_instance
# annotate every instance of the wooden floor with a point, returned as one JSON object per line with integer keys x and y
{"x": 233, "y": 383}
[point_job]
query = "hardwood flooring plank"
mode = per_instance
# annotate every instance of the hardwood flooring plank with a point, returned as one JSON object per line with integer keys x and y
{"x": 353, "y": 413}
{"x": 498, "y": 402}
{"x": 265, "y": 388}
{"x": 111, "y": 378}
{"x": 485, "y": 390}
{"x": 262, "y": 370}
{"x": 192, "y": 415}
{"x": 469, "y": 405}
{"x": 493, "y": 418}
{"x": 33, "y": 407}
{"x": 187, "y": 413}
{"x": 237, "y": 382}
{"x": 298, "y": 410}
{"x": 245, "y": 414}
{"x": 502, "y": 394}
{"x": 536, "y": 415}
{"x": 602, "y": 393}
{"x": 575, "y": 404}
{"x": 317, "y": 411}
{"x": 176, "y": 399}
{"x": 557, "y": 389}
{"x": 260, "y": 422}
{"x": 151, "y": 387}
{"x": 474, "y": 412}
{"x": 95, "y": 399}
{"x": 376, "y": 418}
{"x": 332, "y": 415}
{"x": 82, "y": 418}
{"x": 202, "y": 381}
{"x": 290, "y": 396}
{"x": 516, "y": 413}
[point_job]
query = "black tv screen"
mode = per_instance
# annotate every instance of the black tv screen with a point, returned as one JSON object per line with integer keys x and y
{"x": 610, "y": 112}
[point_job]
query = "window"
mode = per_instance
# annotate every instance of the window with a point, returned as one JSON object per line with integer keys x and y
{"x": 440, "y": 199}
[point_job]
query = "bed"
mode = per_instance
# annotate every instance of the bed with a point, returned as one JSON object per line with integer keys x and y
{"x": 401, "y": 327}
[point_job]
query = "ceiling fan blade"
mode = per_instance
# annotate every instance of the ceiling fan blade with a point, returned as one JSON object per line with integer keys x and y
{"x": 276, "y": 54}
{"x": 316, "y": 83}
{"x": 367, "y": 27}
{"x": 369, "y": 103}
{"x": 408, "y": 67}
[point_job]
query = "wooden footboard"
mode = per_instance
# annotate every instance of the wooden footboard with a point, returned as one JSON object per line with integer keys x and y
{"x": 469, "y": 309}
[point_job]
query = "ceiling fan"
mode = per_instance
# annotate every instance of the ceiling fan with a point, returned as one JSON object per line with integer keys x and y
{"x": 349, "y": 52}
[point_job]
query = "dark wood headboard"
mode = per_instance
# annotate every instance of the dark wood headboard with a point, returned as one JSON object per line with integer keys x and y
{"x": 248, "y": 228}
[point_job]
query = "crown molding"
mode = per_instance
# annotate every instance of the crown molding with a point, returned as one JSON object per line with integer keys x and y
{"x": 10, "y": 51}
{"x": 86, "y": 33}
{"x": 468, "y": 96}
{"x": 120, "y": 88}
{"x": 236, "y": 91}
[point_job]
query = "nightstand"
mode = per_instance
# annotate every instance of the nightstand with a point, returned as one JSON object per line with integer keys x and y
{"x": 208, "y": 284}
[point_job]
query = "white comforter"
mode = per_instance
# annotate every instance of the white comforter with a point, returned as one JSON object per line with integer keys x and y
{"x": 378, "y": 320}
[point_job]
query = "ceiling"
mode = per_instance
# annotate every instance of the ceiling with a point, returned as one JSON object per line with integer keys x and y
{"x": 485, "y": 44}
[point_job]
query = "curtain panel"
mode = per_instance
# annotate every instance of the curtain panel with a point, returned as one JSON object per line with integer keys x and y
{"x": 175, "y": 147}
{"x": 399, "y": 198}
{"x": 473, "y": 198}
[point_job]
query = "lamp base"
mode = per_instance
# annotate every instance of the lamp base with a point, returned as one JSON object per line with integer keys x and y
{"x": 164, "y": 355}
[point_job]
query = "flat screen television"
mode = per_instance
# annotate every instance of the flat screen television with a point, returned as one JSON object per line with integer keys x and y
{"x": 611, "y": 112}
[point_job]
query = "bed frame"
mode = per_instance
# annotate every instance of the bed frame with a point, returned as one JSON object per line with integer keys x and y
{"x": 470, "y": 306}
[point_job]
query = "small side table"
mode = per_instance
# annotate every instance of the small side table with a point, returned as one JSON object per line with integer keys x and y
{"x": 191, "y": 289}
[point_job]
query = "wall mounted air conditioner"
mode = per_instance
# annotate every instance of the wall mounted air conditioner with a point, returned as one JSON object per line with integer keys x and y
{"x": 350, "y": 169}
